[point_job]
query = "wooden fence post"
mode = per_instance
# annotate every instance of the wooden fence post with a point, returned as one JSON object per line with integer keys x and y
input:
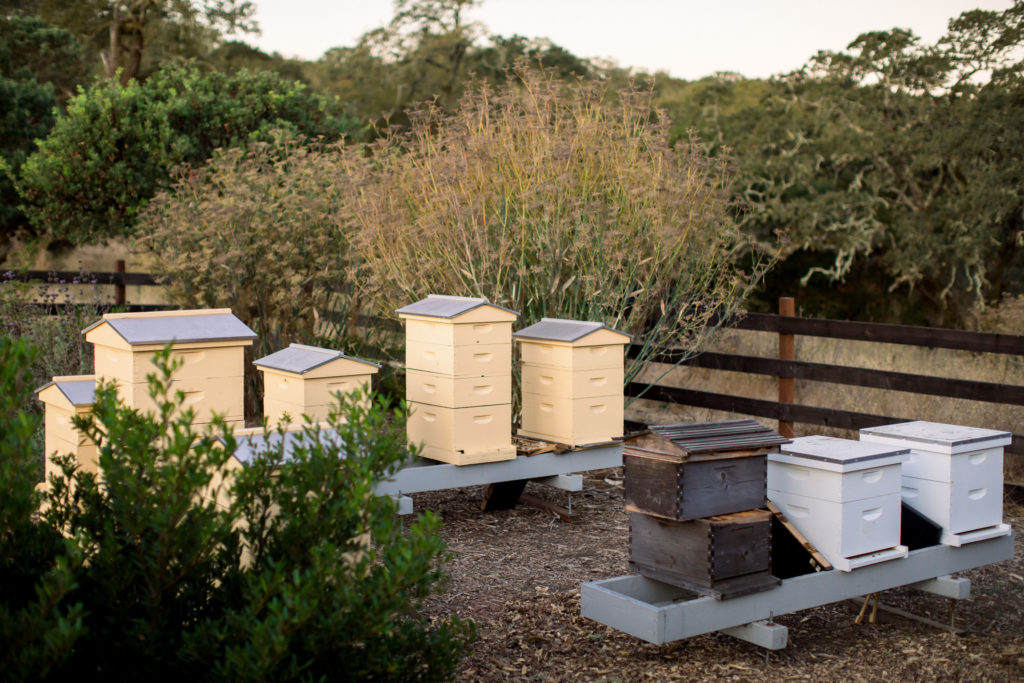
{"x": 787, "y": 351}
{"x": 120, "y": 298}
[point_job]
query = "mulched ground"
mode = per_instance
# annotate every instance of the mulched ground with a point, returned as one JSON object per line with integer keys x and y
{"x": 517, "y": 574}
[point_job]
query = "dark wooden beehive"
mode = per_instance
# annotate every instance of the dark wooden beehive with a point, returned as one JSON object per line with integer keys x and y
{"x": 725, "y": 556}
{"x": 689, "y": 471}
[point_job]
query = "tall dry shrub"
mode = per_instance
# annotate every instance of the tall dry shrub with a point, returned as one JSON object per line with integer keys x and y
{"x": 261, "y": 230}
{"x": 554, "y": 199}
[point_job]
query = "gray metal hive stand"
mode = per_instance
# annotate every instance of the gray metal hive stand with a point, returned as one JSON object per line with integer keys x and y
{"x": 660, "y": 613}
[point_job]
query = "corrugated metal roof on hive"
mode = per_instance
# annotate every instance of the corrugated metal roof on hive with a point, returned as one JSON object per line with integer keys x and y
{"x": 710, "y": 437}
{"x": 79, "y": 392}
{"x": 188, "y": 327}
{"x": 445, "y": 306}
{"x": 559, "y": 329}
{"x": 300, "y": 358}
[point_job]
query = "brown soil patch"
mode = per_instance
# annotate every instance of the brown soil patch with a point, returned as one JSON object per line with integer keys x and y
{"x": 517, "y": 574}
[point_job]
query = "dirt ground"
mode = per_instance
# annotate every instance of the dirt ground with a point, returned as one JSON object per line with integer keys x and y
{"x": 517, "y": 574}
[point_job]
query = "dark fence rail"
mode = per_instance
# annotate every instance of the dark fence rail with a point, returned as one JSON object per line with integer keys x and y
{"x": 787, "y": 369}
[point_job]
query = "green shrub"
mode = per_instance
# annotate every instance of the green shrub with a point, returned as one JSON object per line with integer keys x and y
{"x": 116, "y": 145}
{"x": 304, "y": 574}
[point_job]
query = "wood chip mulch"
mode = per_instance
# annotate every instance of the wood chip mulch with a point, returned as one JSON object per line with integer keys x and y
{"x": 517, "y": 574}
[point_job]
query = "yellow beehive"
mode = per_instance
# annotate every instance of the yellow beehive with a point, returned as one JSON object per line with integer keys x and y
{"x": 209, "y": 343}
{"x": 64, "y": 398}
{"x": 459, "y": 378}
{"x": 303, "y": 380}
{"x": 572, "y": 374}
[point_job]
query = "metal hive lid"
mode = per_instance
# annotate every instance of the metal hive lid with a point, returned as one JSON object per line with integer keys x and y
{"x": 250, "y": 445}
{"x": 185, "y": 328}
{"x": 727, "y": 435}
{"x": 80, "y": 392}
{"x": 444, "y": 306}
{"x": 299, "y": 358}
{"x": 559, "y": 329}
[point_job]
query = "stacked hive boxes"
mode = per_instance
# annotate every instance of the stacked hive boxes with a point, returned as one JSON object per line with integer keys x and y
{"x": 459, "y": 378}
{"x": 953, "y": 475}
{"x": 572, "y": 374}
{"x": 64, "y": 398}
{"x": 303, "y": 381}
{"x": 842, "y": 495}
{"x": 693, "y": 493}
{"x": 209, "y": 343}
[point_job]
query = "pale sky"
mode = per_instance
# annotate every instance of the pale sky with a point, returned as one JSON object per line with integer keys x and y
{"x": 687, "y": 38}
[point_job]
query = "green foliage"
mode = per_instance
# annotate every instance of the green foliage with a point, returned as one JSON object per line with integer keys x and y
{"x": 116, "y": 145}
{"x": 549, "y": 199}
{"x": 892, "y": 168}
{"x": 39, "y": 66}
{"x": 133, "y": 38}
{"x": 39, "y": 622}
{"x": 300, "y": 573}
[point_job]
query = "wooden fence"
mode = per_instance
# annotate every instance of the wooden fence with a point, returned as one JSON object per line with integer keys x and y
{"x": 787, "y": 369}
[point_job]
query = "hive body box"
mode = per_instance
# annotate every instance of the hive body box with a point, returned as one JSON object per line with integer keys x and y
{"x": 953, "y": 475}
{"x": 209, "y": 343}
{"x": 843, "y": 495}
{"x": 64, "y": 398}
{"x": 572, "y": 373}
{"x": 459, "y": 379}
{"x": 687, "y": 471}
{"x": 303, "y": 380}
{"x": 725, "y": 556}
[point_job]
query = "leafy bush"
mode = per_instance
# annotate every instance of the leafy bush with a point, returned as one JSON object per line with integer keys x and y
{"x": 264, "y": 231}
{"x": 557, "y": 200}
{"x": 116, "y": 145}
{"x": 301, "y": 574}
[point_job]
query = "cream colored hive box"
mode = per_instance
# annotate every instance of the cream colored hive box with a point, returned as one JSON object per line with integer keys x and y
{"x": 462, "y": 436}
{"x": 843, "y": 495}
{"x": 210, "y": 344}
{"x": 457, "y": 392}
{"x": 572, "y": 374}
{"x": 64, "y": 398}
{"x": 303, "y": 381}
{"x": 458, "y": 358}
{"x": 953, "y": 474}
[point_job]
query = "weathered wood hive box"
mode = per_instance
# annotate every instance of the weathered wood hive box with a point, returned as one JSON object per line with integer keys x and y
{"x": 953, "y": 475}
{"x": 459, "y": 378}
{"x": 210, "y": 343}
{"x": 842, "y": 495}
{"x": 64, "y": 398}
{"x": 694, "y": 493}
{"x": 303, "y": 381}
{"x": 572, "y": 374}
{"x": 725, "y": 555}
{"x": 687, "y": 471}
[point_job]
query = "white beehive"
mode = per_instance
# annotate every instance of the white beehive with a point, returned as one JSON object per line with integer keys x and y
{"x": 843, "y": 495}
{"x": 303, "y": 380}
{"x": 572, "y": 374}
{"x": 64, "y": 398}
{"x": 459, "y": 378}
{"x": 209, "y": 343}
{"x": 953, "y": 475}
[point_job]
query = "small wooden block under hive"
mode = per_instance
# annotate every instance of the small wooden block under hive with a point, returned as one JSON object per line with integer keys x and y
{"x": 724, "y": 556}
